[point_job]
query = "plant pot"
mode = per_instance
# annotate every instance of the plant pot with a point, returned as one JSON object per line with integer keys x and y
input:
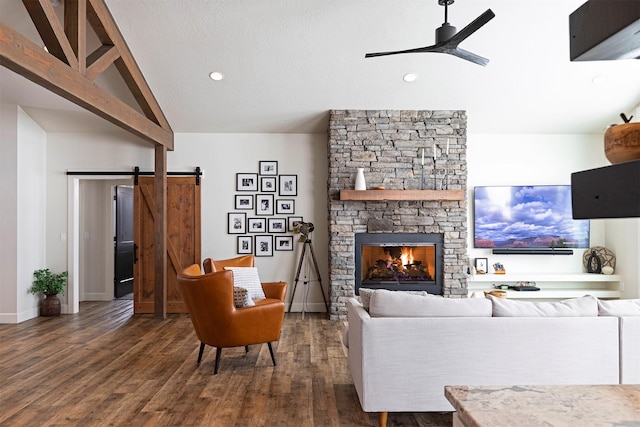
{"x": 50, "y": 306}
{"x": 622, "y": 143}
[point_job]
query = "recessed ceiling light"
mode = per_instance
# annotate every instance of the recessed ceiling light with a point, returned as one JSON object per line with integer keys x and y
{"x": 599, "y": 79}
{"x": 216, "y": 75}
{"x": 409, "y": 77}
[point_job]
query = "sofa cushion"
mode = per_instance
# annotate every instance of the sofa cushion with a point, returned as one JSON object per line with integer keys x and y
{"x": 365, "y": 295}
{"x": 386, "y": 303}
{"x": 622, "y": 307}
{"x": 247, "y": 277}
{"x": 586, "y": 306}
{"x": 241, "y": 298}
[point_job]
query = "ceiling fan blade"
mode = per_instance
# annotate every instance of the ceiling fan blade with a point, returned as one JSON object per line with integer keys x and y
{"x": 465, "y": 54}
{"x": 397, "y": 52}
{"x": 450, "y": 46}
{"x": 474, "y": 26}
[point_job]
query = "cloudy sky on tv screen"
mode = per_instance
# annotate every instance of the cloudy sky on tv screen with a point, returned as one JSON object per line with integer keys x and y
{"x": 527, "y": 217}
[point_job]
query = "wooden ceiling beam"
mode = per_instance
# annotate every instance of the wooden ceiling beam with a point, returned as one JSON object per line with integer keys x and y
{"x": 51, "y": 31}
{"x": 75, "y": 27}
{"x": 100, "y": 59}
{"x": 104, "y": 26}
{"x": 26, "y": 58}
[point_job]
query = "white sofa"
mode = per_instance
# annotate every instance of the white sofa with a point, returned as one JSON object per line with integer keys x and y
{"x": 401, "y": 356}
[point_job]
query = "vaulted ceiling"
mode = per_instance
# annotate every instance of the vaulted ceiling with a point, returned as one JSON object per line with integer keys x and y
{"x": 287, "y": 62}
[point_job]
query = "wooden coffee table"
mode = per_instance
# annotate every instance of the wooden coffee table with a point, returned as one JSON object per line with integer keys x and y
{"x": 545, "y": 405}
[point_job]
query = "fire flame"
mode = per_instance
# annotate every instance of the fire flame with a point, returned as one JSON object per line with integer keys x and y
{"x": 407, "y": 256}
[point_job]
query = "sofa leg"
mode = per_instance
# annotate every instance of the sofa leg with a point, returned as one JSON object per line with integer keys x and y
{"x": 382, "y": 419}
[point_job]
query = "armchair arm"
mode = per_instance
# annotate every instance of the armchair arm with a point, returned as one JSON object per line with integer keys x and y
{"x": 254, "y": 325}
{"x": 275, "y": 290}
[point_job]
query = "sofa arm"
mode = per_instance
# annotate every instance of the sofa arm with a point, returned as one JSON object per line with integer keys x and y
{"x": 275, "y": 290}
{"x": 630, "y": 350}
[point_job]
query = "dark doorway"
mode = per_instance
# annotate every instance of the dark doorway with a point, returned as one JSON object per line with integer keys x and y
{"x": 123, "y": 241}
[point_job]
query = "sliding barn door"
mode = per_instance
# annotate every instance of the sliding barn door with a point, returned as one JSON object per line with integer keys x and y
{"x": 183, "y": 239}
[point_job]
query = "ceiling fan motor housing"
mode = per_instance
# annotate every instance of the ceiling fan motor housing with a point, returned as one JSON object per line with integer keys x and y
{"x": 445, "y": 32}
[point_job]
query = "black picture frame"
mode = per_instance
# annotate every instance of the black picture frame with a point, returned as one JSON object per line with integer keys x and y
{"x": 268, "y": 167}
{"x": 268, "y": 184}
{"x": 277, "y": 225}
{"x": 237, "y": 223}
{"x": 481, "y": 265}
{"x": 285, "y": 206}
{"x": 257, "y": 225}
{"x": 264, "y": 204}
{"x": 291, "y": 223}
{"x": 288, "y": 185}
{"x": 283, "y": 243}
{"x": 264, "y": 245}
{"x": 244, "y": 201}
{"x": 246, "y": 182}
{"x": 245, "y": 245}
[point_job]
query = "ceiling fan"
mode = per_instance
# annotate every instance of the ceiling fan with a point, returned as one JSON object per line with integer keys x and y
{"x": 447, "y": 40}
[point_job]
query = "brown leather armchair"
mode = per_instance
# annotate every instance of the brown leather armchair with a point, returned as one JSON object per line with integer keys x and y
{"x": 218, "y": 323}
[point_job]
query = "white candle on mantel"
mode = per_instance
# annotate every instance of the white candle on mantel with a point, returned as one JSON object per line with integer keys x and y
{"x": 434, "y": 151}
{"x": 423, "y": 157}
{"x": 447, "y": 146}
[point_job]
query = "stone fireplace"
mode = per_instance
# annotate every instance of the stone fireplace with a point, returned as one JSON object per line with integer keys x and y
{"x": 389, "y": 145}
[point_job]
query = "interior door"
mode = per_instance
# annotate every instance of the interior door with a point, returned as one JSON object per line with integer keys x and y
{"x": 183, "y": 239}
{"x": 123, "y": 242}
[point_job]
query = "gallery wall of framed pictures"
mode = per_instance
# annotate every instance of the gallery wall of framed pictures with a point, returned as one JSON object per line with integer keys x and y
{"x": 264, "y": 210}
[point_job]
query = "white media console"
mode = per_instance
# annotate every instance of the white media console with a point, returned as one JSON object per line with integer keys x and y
{"x": 552, "y": 286}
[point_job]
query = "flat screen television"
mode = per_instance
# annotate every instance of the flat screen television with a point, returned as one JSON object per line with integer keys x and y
{"x": 531, "y": 216}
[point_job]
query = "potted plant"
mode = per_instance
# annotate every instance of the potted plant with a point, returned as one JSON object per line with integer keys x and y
{"x": 50, "y": 284}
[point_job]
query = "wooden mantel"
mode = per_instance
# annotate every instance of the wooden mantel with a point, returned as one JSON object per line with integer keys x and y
{"x": 401, "y": 194}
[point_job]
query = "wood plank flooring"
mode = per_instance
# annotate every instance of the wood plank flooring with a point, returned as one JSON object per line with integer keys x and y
{"x": 108, "y": 367}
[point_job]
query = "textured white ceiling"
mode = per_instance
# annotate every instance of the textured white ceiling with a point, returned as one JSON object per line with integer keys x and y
{"x": 287, "y": 62}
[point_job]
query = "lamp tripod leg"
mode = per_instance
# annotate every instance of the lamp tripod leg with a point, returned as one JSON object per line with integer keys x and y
{"x": 295, "y": 284}
{"x": 315, "y": 264}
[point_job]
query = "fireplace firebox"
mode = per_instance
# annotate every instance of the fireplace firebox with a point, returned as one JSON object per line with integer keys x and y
{"x": 399, "y": 261}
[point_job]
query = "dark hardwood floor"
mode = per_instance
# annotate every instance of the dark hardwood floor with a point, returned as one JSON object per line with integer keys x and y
{"x": 107, "y": 367}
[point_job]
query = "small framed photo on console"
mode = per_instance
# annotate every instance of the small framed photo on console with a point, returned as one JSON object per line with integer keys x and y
{"x": 481, "y": 265}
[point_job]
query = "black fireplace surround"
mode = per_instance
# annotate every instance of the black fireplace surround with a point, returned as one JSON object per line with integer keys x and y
{"x": 399, "y": 261}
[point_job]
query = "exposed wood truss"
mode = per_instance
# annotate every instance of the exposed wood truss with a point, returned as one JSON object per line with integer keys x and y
{"x": 67, "y": 70}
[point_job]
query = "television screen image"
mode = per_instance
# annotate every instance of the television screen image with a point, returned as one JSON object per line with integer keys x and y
{"x": 535, "y": 216}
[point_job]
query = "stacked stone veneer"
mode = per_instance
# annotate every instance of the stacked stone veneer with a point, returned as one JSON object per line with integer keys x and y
{"x": 388, "y": 145}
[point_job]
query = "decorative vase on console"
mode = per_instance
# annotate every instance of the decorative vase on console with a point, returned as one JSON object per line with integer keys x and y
{"x": 361, "y": 184}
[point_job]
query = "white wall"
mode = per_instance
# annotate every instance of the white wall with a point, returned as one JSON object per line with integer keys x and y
{"x": 22, "y": 212}
{"x": 8, "y": 212}
{"x": 547, "y": 159}
{"x": 623, "y": 238}
{"x": 492, "y": 160}
{"x": 86, "y": 152}
{"x": 220, "y": 156}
